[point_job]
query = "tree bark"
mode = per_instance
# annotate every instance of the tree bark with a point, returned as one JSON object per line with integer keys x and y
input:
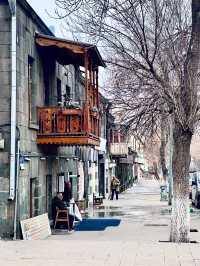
{"x": 170, "y": 174}
{"x": 180, "y": 220}
{"x": 182, "y": 134}
{"x": 163, "y": 148}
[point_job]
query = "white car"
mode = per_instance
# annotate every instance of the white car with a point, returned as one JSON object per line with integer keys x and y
{"x": 196, "y": 189}
{"x": 191, "y": 179}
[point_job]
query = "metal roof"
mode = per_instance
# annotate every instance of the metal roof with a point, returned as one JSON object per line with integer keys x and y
{"x": 60, "y": 43}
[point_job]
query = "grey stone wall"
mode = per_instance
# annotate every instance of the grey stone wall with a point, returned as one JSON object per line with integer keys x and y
{"x": 32, "y": 176}
{"x": 6, "y": 207}
{"x": 37, "y": 163}
{"x": 36, "y": 170}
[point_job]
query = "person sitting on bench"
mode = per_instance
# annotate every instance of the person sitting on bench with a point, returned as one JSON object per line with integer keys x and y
{"x": 58, "y": 203}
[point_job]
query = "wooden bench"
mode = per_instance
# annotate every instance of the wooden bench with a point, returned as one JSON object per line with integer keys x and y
{"x": 62, "y": 216}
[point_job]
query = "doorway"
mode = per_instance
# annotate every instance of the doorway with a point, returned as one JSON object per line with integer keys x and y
{"x": 34, "y": 197}
{"x": 49, "y": 195}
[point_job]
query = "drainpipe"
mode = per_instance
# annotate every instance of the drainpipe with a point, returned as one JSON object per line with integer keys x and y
{"x": 12, "y": 4}
{"x": 17, "y": 189}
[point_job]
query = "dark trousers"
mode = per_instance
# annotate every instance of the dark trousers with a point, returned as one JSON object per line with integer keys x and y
{"x": 114, "y": 191}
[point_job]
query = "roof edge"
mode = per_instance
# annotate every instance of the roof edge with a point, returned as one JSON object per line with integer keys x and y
{"x": 82, "y": 44}
{"x": 36, "y": 18}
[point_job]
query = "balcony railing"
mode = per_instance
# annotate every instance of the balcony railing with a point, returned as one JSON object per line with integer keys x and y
{"x": 59, "y": 121}
{"x": 119, "y": 148}
{"x": 59, "y": 125}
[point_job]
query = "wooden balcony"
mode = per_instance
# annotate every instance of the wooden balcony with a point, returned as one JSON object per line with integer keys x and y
{"x": 63, "y": 126}
{"x": 119, "y": 149}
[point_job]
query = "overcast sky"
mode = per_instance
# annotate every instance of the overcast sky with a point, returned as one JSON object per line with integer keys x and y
{"x": 42, "y": 7}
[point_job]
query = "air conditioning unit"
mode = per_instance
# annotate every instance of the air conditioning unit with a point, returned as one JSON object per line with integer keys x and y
{"x": 75, "y": 103}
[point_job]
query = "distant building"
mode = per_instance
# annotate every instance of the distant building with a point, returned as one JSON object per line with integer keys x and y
{"x": 123, "y": 150}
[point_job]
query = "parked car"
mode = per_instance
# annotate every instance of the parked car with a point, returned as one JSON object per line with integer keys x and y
{"x": 191, "y": 179}
{"x": 196, "y": 189}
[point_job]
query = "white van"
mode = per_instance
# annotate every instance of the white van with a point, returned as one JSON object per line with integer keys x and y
{"x": 196, "y": 189}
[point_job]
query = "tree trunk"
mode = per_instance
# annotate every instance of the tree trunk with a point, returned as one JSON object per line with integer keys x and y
{"x": 163, "y": 148}
{"x": 182, "y": 134}
{"x": 180, "y": 220}
{"x": 170, "y": 174}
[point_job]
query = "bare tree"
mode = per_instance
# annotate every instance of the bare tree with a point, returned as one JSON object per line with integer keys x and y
{"x": 156, "y": 44}
{"x": 163, "y": 143}
{"x": 142, "y": 111}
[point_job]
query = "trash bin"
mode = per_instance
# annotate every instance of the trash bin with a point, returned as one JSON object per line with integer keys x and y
{"x": 163, "y": 193}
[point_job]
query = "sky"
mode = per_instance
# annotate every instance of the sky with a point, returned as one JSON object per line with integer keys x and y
{"x": 42, "y": 8}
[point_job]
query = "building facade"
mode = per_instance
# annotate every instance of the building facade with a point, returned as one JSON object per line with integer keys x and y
{"x": 124, "y": 151}
{"x": 49, "y": 113}
{"x": 106, "y": 164}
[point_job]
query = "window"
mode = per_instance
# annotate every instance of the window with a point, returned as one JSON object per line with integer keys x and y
{"x": 122, "y": 138}
{"x": 59, "y": 91}
{"x": 111, "y": 136}
{"x": 47, "y": 86}
{"x": 68, "y": 93}
{"x": 32, "y": 91}
{"x": 116, "y": 139}
{"x": 60, "y": 182}
{"x": 48, "y": 194}
{"x": 34, "y": 197}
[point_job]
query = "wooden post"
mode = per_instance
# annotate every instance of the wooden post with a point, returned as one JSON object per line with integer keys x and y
{"x": 90, "y": 74}
{"x": 97, "y": 88}
{"x": 97, "y": 99}
{"x": 86, "y": 74}
{"x": 86, "y": 111}
{"x": 94, "y": 87}
{"x": 91, "y": 96}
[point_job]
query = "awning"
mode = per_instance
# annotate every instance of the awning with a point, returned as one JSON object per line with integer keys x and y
{"x": 68, "y": 52}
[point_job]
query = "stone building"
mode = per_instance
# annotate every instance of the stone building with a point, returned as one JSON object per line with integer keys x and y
{"x": 123, "y": 150}
{"x": 106, "y": 164}
{"x": 49, "y": 116}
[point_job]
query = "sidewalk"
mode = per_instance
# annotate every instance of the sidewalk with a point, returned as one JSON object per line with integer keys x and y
{"x": 135, "y": 242}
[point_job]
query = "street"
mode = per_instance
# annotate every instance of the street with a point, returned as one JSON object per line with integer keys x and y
{"x": 139, "y": 240}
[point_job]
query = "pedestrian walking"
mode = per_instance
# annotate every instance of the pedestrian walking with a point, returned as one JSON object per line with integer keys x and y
{"x": 115, "y": 185}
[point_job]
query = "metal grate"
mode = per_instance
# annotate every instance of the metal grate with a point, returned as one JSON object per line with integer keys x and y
{"x": 155, "y": 224}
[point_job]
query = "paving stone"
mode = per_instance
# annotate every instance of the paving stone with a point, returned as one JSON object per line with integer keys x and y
{"x": 129, "y": 244}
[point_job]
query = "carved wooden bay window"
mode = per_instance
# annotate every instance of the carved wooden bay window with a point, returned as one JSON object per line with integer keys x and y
{"x": 62, "y": 125}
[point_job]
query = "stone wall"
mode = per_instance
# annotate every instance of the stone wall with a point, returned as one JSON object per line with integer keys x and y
{"x": 6, "y": 207}
{"x": 39, "y": 165}
{"x": 32, "y": 177}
